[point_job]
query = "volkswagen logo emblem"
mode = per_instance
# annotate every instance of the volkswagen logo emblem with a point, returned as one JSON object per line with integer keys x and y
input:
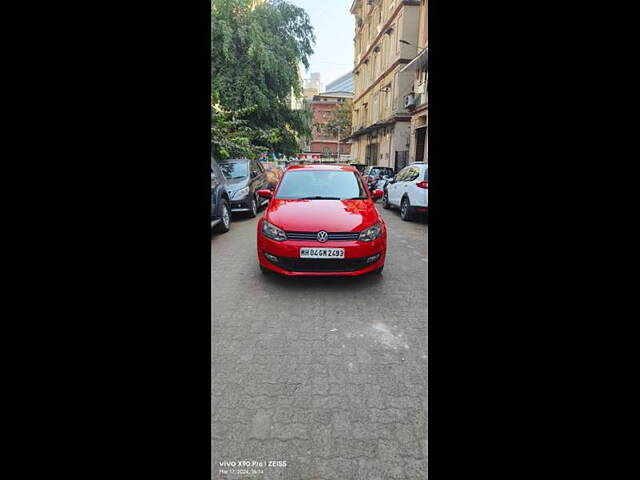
{"x": 323, "y": 236}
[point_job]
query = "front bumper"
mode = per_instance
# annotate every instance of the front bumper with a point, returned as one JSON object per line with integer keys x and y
{"x": 241, "y": 205}
{"x": 289, "y": 261}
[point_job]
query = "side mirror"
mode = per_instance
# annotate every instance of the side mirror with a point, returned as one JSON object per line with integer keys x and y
{"x": 376, "y": 194}
{"x": 265, "y": 193}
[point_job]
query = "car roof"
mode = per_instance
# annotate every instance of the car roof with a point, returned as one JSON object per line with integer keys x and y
{"x": 337, "y": 167}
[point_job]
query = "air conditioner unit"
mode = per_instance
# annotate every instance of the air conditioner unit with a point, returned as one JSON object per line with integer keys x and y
{"x": 410, "y": 101}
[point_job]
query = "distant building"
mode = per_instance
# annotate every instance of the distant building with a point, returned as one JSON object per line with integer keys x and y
{"x": 313, "y": 82}
{"x": 323, "y": 106}
{"x": 342, "y": 84}
{"x": 309, "y": 93}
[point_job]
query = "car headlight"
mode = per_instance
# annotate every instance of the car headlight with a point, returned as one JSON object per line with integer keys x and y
{"x": 370, "y": 233}
{"x": 240, "y": 193}
{"x": 273, "y": 232}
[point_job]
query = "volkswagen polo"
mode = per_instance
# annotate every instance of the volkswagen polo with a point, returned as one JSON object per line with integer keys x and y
{"x": 321, "y": 220}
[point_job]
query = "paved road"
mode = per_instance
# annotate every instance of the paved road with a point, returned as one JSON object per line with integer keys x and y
{"x": 329, "y": 375}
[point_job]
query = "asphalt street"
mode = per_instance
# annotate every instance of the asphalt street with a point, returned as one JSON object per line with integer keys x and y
{"x": 326, "y": 374}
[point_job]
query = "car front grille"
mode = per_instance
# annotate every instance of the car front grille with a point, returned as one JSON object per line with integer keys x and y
{"x": 335, "y": 236}
{"x": 321, "y": 265}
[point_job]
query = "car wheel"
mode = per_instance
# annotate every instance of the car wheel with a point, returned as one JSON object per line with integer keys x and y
{"x": 385, "y": 201}
{"x": 405, "y": 210}
{"x": 253, "y": 208}
{"x": 225, "y": 218}
{"x": 264, "y": 270}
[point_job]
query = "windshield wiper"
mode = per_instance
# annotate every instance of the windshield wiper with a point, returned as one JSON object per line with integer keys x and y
{"x": 318, "y": 197}
{"x": 356, "y": 198}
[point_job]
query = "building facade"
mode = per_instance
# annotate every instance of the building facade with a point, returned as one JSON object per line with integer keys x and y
{"x": 386, "y": 39}
{"x": 418, "y": 101}
{"x": 323, "y": 106}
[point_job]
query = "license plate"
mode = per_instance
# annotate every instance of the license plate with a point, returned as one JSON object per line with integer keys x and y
{"x": 322, "y": 253}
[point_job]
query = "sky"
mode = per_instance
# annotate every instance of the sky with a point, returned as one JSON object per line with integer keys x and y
{"x": 333, "y": 26}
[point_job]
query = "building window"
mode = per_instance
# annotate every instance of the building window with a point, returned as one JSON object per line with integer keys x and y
{"x": 326, "y": 150}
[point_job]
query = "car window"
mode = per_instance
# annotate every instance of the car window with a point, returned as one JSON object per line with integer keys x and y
{"x": 234, "y": 170}
{"x": 402, "y": 174}
{"x": 412, "y": 174}
{"x": 321, "y": 184}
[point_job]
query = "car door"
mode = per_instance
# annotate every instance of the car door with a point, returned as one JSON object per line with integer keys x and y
{"x": 258, "y": 179}
{"x": 394, "y": 189}
{"x": 404, "y": 183}
{"x": 415, "y": 193}
{"x": 262, "y": 174}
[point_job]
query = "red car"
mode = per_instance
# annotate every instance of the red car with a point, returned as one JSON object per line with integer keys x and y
{"x": 321, "y": 220}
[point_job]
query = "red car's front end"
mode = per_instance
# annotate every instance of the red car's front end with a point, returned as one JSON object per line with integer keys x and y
{"x": 321, "y": 221}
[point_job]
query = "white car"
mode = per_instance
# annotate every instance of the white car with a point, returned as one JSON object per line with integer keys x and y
{"x": 408, "y": 190}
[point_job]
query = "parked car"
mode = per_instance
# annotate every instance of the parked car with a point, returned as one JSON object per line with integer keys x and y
{"x": 244, "y": 178}
{"x": 409, "y": 190}
{"x": 321, "y": 220}
{"x": 373, "y": 174}
{"x": 359, "y": 166}
{"x": 220, "y": 204}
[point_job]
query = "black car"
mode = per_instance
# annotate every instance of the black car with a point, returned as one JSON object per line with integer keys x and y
{"x": 373, "y": 174}
{"x": 244, "y": 178}
{"x": 220, "y": 203}
{"x": 358, "y": 166}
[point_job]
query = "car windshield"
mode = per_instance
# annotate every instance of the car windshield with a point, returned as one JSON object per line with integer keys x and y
{"x": 232, "y": 170}
{"x": 320, "y": 185}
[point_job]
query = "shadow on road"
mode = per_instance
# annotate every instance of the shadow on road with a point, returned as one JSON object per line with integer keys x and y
{"x": 326, "y": 283}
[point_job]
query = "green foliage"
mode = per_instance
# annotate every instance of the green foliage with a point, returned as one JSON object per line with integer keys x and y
{"x": 255, "y": 53}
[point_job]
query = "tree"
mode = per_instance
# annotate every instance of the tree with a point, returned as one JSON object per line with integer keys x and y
{"x": 255, "y": 53}
{"x": 339, "y": 123}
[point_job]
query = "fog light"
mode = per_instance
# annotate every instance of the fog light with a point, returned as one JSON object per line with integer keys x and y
{"x": 270, "y": 257}
{"x": 374, "y": 258}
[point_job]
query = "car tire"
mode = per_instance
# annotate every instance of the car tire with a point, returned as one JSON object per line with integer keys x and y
{"x": 264, "y": 270}
{"x": 405, "y": 209}
{"x": 385, "y": 201}
{"x": 253, "y": 207}
{"x": 225, "y": 217}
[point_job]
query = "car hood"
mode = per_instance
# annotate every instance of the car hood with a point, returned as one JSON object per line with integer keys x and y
{"x": 237, "y": 183}
{"x": 316, "y": 215}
